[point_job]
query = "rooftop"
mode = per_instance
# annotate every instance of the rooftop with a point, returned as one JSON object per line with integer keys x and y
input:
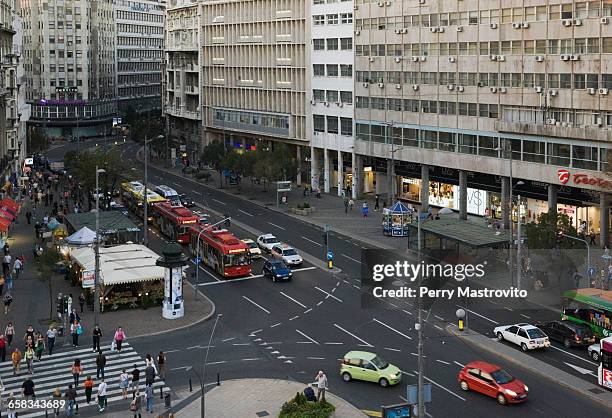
{"x": 110, "y": 222}
{"x": 469, "y": 233}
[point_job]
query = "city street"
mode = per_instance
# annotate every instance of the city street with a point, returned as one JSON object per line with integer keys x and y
{"x": 291, "y": 330}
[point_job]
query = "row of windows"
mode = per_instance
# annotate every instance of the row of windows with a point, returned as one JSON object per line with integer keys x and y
{"x": 527, "y": 47}
{"x": 252, "y": 118}
{"x": 331, "y": 70}
{"x": 139, "y": 54}
{"x": 544, "y": 80}
{"x": 143, "y": 42}
{"x": 578, "y": 156}
{"x": 332, "y": 96}
{"x": 138, "y": 66}
{"x": 581, "y": 10}
{"x": 332, "y": 19}
{"x": 60, "y": 24}
{"x": 150, "y": 30}
{"x": 483, "y": 110}
{"x": 139, "y": 78}
{"x": 332, "y": 125}
{"x": 61, "y": 10}
{"x": 62, "y": 68}
{"x": 331, "y": 44}
{"x": 327, "y": 1}
{"x": 142, "y": 17}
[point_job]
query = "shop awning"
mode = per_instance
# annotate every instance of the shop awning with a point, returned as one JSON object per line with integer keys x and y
{"x": 130, "y": 263}
{"x": 7, "y": 215}
{"x": 4, "y": 224}
{"x": 10, "y": 203}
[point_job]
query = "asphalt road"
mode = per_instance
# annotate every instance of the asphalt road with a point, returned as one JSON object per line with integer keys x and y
{"x": 292, "y": 330}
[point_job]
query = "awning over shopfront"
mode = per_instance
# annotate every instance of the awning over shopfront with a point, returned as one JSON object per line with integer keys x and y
{"x": 7, "y": 215}
{"x": 83, "y": 236}
{"x": 4, "y": 224}
{"x": 9, "y": 203}
{"x": 130, "y": 263}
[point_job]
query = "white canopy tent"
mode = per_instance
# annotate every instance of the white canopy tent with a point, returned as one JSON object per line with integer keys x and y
{"x": 129, "y": 263}
{"x": 83, "y": 236}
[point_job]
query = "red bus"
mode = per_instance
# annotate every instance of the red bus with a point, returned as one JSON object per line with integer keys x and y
{"x": 604, "y": 370}
{"x": 174, "y": 221}
{"x": 221, "y": 251}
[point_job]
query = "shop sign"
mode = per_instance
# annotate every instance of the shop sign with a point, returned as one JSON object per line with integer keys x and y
{"x": 411, "y": 181}
{"x": 582, "y": 178}
{"x": 88, "y": 279}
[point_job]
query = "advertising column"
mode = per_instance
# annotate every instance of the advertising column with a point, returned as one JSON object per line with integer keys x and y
{"x": 174, "y": 261}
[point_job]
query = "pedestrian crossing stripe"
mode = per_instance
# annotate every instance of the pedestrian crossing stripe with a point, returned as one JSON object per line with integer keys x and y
{"x": 55, "y": 372}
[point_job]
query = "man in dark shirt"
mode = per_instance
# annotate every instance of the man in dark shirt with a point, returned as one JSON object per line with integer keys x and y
{"x": 135, "y": 378}
{"x": 309, "y": 393}
{"x": 150, "y": 375}
{"x": 100, "y": 364}
{"x": 97, "y": 333}
{"x": 27, "y": 389}
{"x": 71, "y": 395}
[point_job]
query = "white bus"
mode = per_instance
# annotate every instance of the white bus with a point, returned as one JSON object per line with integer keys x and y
{"x": 168, "y": 193}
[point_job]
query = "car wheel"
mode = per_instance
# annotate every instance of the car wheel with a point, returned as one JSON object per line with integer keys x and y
{"x": 595, "y": 355}
{"x": 464, "y": 386}
{"x": 274, "y": 278}
{"x": 500, "y": 337}
{"x": 524, "y": 347}
{"x": 383, "y": 382}
{"x": 346, "y": 377}
{"x": 501, "y": 399}
{"x": 567, "y": 343}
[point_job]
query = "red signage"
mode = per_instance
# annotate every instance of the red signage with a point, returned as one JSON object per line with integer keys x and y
{"x": 582, "y": 178}
{"x": 563, "y": 175}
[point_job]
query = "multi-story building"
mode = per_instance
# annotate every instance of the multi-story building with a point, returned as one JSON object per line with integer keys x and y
{"x": 9, "y": 121}
{"x": 182, "y": 74}
{"x": 140, "y": 48}
{"x": 69, "y": 61}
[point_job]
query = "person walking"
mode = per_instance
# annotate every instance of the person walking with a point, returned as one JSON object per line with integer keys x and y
{"x": 27, "y": 389}
{"x": 11, "y": 409}
{"x": 365, "y": 210}
{"x": 321, "y": 380}
{"x": 377, "y": 204}
{"x": 28, "y": 337}
{"x": 119, "y": 337}
{"x": 102, "y": 396}
{"x": 150, "y": 374}
{"x": 136, "y": 404}
{"x": 7, "y": 260}
{"x": 88, "y": 385}
{"x": 57, "y": 396}
{"x": 161, "y": 365}
{"x": 97, "y": 334}
{"x": 40, "y": 346}
{"x": 29, "y": 359}
{"x": 135, "y": 377}
{"x": 124, "y": 382}
{"x": 351, "y": 204}
{"x": 16, "y": 359}
{"x": 9, "y": 333}
{"x": 3, "y": 343}
{"x": 75, "y": 330}
{"x": 51, "y": 334}
{"x": 76, "y": 370}
{"x": 346, "y": 205}
{"x": 82, "y": 301}
{"x": 149, "y": 398}
{"x": 100, "y": 364}
{"x": 7, "y": 299}
{"x": 74, "y": 316}
{"x": 17, "y": 267}
{"x": 28, "y": 216}
{"x": 71, "y": 405}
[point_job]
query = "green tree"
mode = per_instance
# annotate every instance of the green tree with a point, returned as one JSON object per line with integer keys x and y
{"x": 214, "y": 155}
{"x": 545, "y": 233}
{"x": 47, "y": 264}
{"x": 285, "y": 165}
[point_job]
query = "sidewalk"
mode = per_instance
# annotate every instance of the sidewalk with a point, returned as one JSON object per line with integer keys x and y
{"x": 257, "y": 398}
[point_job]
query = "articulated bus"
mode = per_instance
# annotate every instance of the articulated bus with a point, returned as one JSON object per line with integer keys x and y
{"x": 174, "y": 221}
{"x": 133, "y": 197}
{"x": 220, "y": 250}
{"x": 589, "y": 306}
{"x": 604, "y": 370}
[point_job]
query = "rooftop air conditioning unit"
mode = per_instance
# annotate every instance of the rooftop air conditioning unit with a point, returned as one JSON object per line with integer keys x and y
{"x": 565, "y": 57}
{"x": 577, "y": 22}
{"x": 493, "y": 57}
{"x": 387, "y": 3}
{"x": 574, "y": 57}
{"x": 539, "y": 58}
{"x": 516, "y": 25}
{"x": 502, "y": 90}
{"x": 421, "y": 1}
{"x": 441, "y": 29}
{"x": 567, "y": 22}
{"x": 525, "y": 25}
{"x": 451, "y": 59}
{"x": 404, "y": 30}
{"x": 538, "y": 89}
{"x": 415, "y": 58}
{"x": 398, "y": 59}
{"x": 501, "y": 58}
{"x": 459, "y": 28}
{"x": 366, "y": 85}
{"x": 493, "y": 25}
{"x": 423, "y": 58}
{"x": 381, "y": 4}
{"x": 371, "y": 59}
{"x": 356, "y": 7}
{"x": 381, "y": 85}
{"x": 357, "y": 32}
{"x": 450, "y": 87}
{"x": 460, "y": 88}
{"x": 591, "y": 91}
{"x": 554, "y": 93}
{"x": 398, "y": 86}
{"x": 493, "y": 89}
{"x": 433, "y": 29}
{"x": 603, "y": 92}
{"x": 415, "y": 87}
{"x": 603, "y": 20}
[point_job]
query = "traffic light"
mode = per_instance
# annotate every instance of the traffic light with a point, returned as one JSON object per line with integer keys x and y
{"x": 227, "y": 222}
{"x": 325, "y": 238}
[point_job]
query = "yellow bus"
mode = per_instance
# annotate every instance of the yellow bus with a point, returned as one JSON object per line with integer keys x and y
{"x": 132, "y": 193}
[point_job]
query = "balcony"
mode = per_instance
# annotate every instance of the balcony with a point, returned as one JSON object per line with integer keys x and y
{"x": 592, "y": 133}
{"x": 178, "y": 112}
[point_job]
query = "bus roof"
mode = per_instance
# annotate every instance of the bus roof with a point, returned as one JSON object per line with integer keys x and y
{"x": 597, "y": 298}
{"x": 167, "y": 190}
{"x": 222, "y": 238}
{"x": 179, "y": 214}
{"x": 606, "y": 344}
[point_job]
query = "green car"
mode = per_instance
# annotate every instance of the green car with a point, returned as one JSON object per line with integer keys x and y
{"x": 362, "y": 365}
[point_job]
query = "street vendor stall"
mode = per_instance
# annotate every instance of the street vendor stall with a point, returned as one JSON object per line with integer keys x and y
{"x": 129, "y": 277}
{"x": 396, "y": 220}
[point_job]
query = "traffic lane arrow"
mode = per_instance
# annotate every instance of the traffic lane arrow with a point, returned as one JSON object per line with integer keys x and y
{"x": 581, "y": 370}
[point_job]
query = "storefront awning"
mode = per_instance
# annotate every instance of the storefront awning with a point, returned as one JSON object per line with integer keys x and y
{"x": 4, "y": 224}
{"x": 10, "y": 203}
{"x": 7, "y": 215}
{"x": 469, "y": 233}
{"x": 130, "y": 263}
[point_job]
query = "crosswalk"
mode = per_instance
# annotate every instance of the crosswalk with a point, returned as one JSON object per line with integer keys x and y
{"x": 55, "y": 372}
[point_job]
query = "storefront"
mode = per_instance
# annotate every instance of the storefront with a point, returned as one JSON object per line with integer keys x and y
{"x": 445, "y": 195}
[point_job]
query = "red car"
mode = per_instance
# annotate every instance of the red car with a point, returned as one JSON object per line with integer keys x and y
{"x": 492, "y": 380}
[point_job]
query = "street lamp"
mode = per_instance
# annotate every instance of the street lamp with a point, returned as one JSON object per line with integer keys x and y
{"x": 96, "y": 296}
{"x": 561, "y": 234}
{"x": 519, "y": 238}
{"x": 198, "y": 258}
{"x": 144, "y": 190}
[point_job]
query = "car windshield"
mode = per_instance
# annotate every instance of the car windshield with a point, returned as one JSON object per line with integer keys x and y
{"x": 270, "y": 240}
{"x": 278, "y": 264}
{"x": 535, "y": 333}
{"x": 290, "y": 251}
{"x": 502, "y": 377}
{"x": 379, "y": 363}
{"x": 251, "y": 245}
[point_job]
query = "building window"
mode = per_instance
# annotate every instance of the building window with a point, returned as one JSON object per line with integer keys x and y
{"x": 318, "y": 20}
{"x": 346, "y": 126}
{"x": 332, "y": 70}
{"x": 559, "y": 154}
{"x": 467, "y": 143}
{"x": 347, "y": 97}
{"x": 346, "y": 18}
{"x": 346, "y": 44}
{"x": 318, "y": 70}
{"x": 332, "y": 44}
{"x": 332, "y": 19}
{"x": 584, "y": 157}
{"x": 332, "y": 96}
{"x": 346, "y": 70}
{"x": 487, "y": 146}
{"x": 318, "y": 122}
{"x": 332, "y": 124}
{"x": 318, "y": 44}
{"x": 533, "y": 151}
{"x": 318, "y": 95}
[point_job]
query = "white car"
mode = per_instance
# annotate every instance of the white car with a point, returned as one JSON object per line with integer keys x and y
{"x": 525, "y": 335}
{"x": 254, "y": 250}
{"x": 594, "y": 351}
{"x": 288, "y": 254}
{"x": 267, "y": 241}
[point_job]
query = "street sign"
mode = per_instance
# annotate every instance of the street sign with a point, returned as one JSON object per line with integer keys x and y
{"x": 283, "y": 186}
{"x": 396, "y": 411}
{"x": 327, "y": 228}
{"x": 412, "y": 393}
{"x": 88, "y": 279}
{"x": 197, "y": 261}
{"x": 330, "y": 255}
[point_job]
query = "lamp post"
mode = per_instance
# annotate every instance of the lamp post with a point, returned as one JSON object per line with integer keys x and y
{"x": 145, "y": 239}
{"x": 419, "y": 327}
{"x": 198, "y": 258}
{"x": 587, "y": 247}
{"x": 519, "y": 238}
{"x": 96, "y": 295}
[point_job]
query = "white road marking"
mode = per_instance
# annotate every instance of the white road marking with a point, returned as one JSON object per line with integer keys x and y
{"x": 295, "y": 317}
{"x": 333, "y": 343}
{"x": 251, "y": 359}
{"x": 171, "y": 351}
{"x": 393, "y": 349}
{"x": 439, "y": 317}
{"x": 391, "y": 328}
{"x": 255, "y": 332}
{"x": 319, "y": 303}
{"x": 350, "y": 258}
{"x": 525, "y": 316}
{"x": 459, "y": 364}
{"x": 216, "y": 362}
{"x": 439, "y": 327}
{"x": 416, "y": 355}
{"x": 200, "y": 193}
{"x": 509, "y": 309}
{"x": 205, "y": 271}
{"x": 192, "y": 347}
{"x": 356, "y": 287}
{"x": 315, "y": 358}
{"x": 328, "y": 294}
{"x": 241, "y": 344}
{"x": 181, "y": 368}
{"x": 279, "y": 227}
{"x": 442, "y": 387}
{"x": 405, "y": 311}
{"x": 219, "y": 202}
{"x": 573, "y": 355}
{"x": 259, "y": 306}
{"x": 307, "y": 310}
{"x": 314, "y": 242}
{"x": 246, "y": 213}
{"x": 307, "y": 337}
{"x": 228, "y": 339}
{"x": 353, "y": 335}
{"x": 176, "y": 184}
{"x": 290, "y": 298}
{"x": 443, "y": 362}
{"x": 275, "y": 325}
{"x": 477, "y": 314}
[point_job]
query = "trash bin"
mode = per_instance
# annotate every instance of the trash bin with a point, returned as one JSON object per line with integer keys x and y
{"x": 167, "y": 400}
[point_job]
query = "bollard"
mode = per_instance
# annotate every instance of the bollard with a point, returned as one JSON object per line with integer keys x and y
{"x": 161, "y": 392}
{"x": 190, "y": 385}
{"x": 330, "y": 264}
{"x": 218, "y": 380}
{"x": 461, "y": 325}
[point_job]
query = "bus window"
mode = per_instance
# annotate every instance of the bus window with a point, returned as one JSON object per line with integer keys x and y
{"x": 235, "y": 260}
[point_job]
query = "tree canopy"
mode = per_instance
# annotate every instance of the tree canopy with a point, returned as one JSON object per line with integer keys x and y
{"x": 545, "y": 232}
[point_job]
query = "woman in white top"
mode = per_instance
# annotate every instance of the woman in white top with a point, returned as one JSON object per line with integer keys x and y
{"x": 124, "y": 382}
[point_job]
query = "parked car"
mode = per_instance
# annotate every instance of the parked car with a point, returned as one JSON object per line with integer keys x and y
{"x": 286, "y": 253}
{"x": 363, "y": 365}
{"x": 186, "y": 201}
{"x": 276, "y": 270}
{"x": 493, "y": 381}
{"x": 254, "y": 250}
{"x": 267, "y": 241}
{"x": 569, "y": 333}
{"x": 594, "y": 351}
{"x": 528, "y": 337}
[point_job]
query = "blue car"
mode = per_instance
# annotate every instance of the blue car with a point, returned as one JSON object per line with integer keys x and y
{"x": 276, "y": 270}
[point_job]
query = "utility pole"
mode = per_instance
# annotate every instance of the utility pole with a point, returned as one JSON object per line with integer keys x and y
{"x": 96, "y": 294}
{"x": 419, "y": 327}
{"x": 519, "y": 249}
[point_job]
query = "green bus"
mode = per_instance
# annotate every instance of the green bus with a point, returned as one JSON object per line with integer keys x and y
{"x": 589, "y": 306}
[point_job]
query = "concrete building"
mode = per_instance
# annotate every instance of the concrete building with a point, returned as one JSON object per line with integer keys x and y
{"x": 140, "y": 45}
{"x": 70, "y": 65}
{"x": 9, "y": 121}
{"x": 23, "y": 109}
{"x": 182, "y": 74}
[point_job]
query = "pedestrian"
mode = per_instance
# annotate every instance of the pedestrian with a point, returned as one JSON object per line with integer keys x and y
{"x": 124, "y": 382}
{"x": 7, "y": 299}
{"x": 119, "y": 337}
{"x": 88, "y": 384}
{"x": 82, "y": 301}
{"x": 321, "y": 380}
{"x": 136, "y": 404}
{"x": 76, "y": 370}
{"x": 51, "y": 334}
{"x": 27, "y": 389}
{"x": 161, "y": 365}
{"x": 577, "y": 277}
{"x": 40, "y": 346}
{"x": 97, "y": 334}
{"x": 318, "y": 192}
{"x": 2, "y": 282}
{"x": 57, "y": 396}
{"x": 71, "y": 405}
{"x": 29, "y": 217}
{"x": 9, "y": 332}
{"x": 69, "y": 308}
{"x": 148, "y": 360}
{"x": 74, "y": 316}
{"x": 29, "y": 359}
{"x": 10, "y": 405}
{"x": 592, "y": 237}
{"x": 16, "y": 359}
{"x": 365, "y": 210}
{"x": 3, "y": 343}
{"x": 150, "y": 374}
{"x": 37, "y": 229}
{"x": 135, "y": 378}
{"x": 351, "y": 204}
{"x": 9, "y": 282}
{"x": 76, "y": 330}
{"x": 102, "y": 396}
{"x": 7, "y": 261}
{"x": 35, "y": 251}
{"x": 376, "y": 204}
{"x": 149, "y": 397}
{"x": 100, "y": 364}
{"x": 6, "y": 248}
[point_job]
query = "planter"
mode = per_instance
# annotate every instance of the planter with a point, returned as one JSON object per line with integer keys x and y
{"x": 302, "y": 212}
